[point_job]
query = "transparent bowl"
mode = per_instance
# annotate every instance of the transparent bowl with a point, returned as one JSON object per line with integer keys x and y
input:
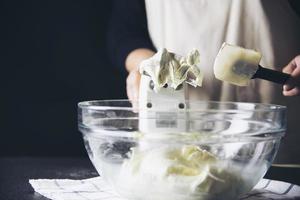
{"x": 195, "y": 150}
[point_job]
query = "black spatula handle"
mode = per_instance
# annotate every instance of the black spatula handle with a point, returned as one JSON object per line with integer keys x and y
{"x": 271, "y": 75}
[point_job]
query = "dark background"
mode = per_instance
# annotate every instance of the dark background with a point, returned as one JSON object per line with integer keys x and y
{"x": 53, "y": 55}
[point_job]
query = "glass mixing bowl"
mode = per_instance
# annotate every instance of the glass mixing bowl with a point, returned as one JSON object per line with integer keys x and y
{"x": 191, "y": 150}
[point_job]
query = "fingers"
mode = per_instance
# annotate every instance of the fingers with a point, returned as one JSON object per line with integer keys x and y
{"x": 292, "y": 92}
{"x": 132, "y": 85}
{"x": 290, "y": 67}
{"x": 292, "y": 87}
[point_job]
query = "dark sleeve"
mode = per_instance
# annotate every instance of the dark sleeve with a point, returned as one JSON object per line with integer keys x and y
{"x": 295, "y": 4}
{"x": 127, "y": 30}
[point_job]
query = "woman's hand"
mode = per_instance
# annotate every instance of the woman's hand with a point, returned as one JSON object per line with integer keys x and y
{"x": 292, "y": 87}
{"x": 133, "y": 84}
{"x": 133, "y": 61}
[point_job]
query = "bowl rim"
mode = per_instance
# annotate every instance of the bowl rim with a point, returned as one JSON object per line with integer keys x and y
{"x": 264, "y": 107}
{"x": 88, "y": 108}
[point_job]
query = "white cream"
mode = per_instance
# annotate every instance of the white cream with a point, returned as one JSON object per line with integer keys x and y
{"x": 169, "y": 68}
{"x": 185, "y": 172}
{"x": 236, "y": 65}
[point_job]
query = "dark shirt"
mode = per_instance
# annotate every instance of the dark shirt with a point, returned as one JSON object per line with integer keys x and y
{"x": 127, "y": 30}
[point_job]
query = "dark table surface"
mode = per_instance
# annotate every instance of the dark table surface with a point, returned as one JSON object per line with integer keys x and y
{"x": 16, "y": 171}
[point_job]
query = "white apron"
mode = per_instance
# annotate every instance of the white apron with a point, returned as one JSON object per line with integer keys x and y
{"x": 268, "y": 26}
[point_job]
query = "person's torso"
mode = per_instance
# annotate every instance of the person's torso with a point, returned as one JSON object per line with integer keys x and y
{"x": 271, "y": 27}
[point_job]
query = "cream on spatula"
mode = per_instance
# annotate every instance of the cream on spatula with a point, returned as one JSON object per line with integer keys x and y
{"x": 238, "y": 66}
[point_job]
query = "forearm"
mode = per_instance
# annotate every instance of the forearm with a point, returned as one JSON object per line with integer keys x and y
{"x": 135, "y": 57}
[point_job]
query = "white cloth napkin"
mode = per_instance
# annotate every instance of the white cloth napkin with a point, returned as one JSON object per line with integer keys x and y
{"x": 97, "y": 189}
